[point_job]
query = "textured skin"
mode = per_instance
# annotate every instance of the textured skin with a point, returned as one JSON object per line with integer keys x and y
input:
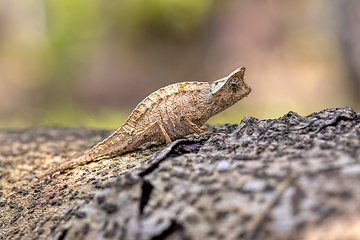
{"x": 168, "y": 114}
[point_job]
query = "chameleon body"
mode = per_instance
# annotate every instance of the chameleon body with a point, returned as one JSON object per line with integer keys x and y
{"x": 168, "y": 114}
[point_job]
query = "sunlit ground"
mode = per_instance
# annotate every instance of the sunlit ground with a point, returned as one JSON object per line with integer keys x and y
{"x": 71, "y": 116}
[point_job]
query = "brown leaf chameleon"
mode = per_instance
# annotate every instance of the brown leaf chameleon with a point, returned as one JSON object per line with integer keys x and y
{"x": 168, "y": 114}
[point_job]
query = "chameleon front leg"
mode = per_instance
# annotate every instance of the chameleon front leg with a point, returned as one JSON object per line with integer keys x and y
{"x": 157, "y": 127}
{"x": 187, "y": 119}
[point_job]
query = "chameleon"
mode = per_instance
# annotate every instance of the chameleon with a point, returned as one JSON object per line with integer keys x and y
{"x": 167, "y": 114}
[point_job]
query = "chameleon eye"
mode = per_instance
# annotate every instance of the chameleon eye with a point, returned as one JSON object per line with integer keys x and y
{"x": 234, "y": 84}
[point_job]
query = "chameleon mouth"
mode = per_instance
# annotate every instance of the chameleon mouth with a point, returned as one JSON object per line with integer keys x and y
{"x": 247, "y": 91}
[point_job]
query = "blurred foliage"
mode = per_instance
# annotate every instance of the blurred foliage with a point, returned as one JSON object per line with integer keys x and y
{"x": 72, "y": 115}
{"x": 173, "y": 17}
{"x": 74, "y": 21}
{"x": 71, "y": 28}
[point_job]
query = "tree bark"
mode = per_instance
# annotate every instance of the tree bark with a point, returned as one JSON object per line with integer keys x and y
{"x": 288, "y": 178}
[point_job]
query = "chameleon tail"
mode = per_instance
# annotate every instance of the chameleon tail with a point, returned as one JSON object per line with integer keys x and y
{"x": 107, "y": 148}
{"x": 83, "y": 159}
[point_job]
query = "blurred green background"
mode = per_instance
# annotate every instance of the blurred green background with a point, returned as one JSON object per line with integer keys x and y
{"x": 89, "y": 63}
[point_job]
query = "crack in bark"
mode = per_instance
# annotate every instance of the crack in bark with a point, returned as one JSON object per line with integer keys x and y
{"x": 146, "y": 189}
{"x": 177, "y": 148}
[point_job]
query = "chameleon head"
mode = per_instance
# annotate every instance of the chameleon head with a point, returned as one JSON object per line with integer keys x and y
{"x": 232, "y": 87}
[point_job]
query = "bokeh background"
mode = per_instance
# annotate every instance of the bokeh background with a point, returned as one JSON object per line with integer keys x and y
{"x": 89, "y": 63}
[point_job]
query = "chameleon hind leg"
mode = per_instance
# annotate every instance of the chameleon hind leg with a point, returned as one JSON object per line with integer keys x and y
{"x": 156, "y": 127}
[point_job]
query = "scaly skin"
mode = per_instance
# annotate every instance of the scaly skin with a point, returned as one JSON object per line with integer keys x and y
{"x": 168, "y": 114}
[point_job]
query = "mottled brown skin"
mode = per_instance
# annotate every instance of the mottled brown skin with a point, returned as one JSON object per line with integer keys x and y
{"x": 168, "y": 114}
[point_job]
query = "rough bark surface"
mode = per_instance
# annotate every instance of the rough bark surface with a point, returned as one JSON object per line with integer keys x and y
{"x": 288, "y": 178}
